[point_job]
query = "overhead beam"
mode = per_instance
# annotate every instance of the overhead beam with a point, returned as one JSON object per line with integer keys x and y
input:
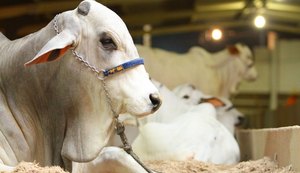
{"x": 130, "y": 2}
{"x": 15, "y": 11}
{"x": 220, "y": 6}
{"x": 159, "y": 16}
{"x": 188, "y": 28}
{"x": 184, "y": 28}
{"x": 59, "y": 6}
{"x": 37, "y": 8}
{"x": 213, "y": 16}
{"x": 284, "y": 28}
{"x": 201, "y": 27}
{"x": 279, "y": 15}
{"x": 155, "y": 31}
{"x": 156, "y": 17}
{"x": 284, "y": 7}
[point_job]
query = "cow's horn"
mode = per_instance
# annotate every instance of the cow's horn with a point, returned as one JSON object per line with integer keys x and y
{"x": 84, "y": 8}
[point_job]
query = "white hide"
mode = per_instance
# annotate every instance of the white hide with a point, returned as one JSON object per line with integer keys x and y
{"x": 227, "y": 114}
{"x": 178, "y": 131}
{"x": 57, "y": 112}
{"x": 189, "y": 136}
{"x": 217, "y": 74}
{"x": 110, "y": 160}
{"x": 173, "y": 107}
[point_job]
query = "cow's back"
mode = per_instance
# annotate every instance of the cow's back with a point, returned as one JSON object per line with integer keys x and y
{"x": 3, "y": 38}
{"x": 9, "y": 48}
{"x": 174, "y": 69}
{"x": 4, "y": 41}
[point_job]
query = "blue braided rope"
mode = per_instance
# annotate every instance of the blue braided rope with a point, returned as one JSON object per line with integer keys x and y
{"x": 123, "y": 66}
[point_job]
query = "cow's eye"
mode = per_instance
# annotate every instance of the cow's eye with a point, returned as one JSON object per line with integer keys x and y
{"x": 108, "y": 43}
{"x": 186, "y": 97}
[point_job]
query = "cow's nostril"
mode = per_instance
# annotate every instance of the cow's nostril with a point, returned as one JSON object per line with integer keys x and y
{"x": 155, "y": 100}
{"x": 241, "y": 121}
{"x": 241, "y": 118}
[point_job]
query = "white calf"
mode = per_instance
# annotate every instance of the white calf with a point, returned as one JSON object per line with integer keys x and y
{"x": 227, "y": 114}
{"x": 189, "y": 136}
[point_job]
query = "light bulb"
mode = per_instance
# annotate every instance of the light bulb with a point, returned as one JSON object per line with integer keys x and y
{"x": 259, "y": 21}
{"x": 216, "y": 34}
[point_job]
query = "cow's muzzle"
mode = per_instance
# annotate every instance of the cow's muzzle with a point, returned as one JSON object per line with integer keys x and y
{"x": 156, "y": 101}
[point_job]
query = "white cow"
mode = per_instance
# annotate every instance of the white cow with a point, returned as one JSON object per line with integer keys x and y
{"x": 217, "y": 74}
{"x": 178, "y": 131}
{"x": 57, "y": 112}
{"x": 227, "y": 114}
{"x": 189, "y": 136}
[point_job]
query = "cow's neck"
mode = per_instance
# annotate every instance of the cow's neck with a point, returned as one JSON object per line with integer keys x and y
{"x": 229, "y": 76}
{"x": 219, "y": 59}
{"x": 23, "y": 95}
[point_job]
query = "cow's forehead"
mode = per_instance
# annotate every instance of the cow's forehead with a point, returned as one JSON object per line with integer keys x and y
{"x": 248, "y": 51}
{"x": 105, "y": 20}
{"x": 101, "y": 14}
{"x": 245, "y": 51}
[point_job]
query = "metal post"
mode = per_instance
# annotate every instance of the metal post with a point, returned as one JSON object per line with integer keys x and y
{"x": 147, "y": 35}
{"x": 273, "y": 47}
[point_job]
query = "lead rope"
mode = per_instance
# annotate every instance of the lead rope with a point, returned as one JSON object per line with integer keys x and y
{"x": 119, "y": 126}
{"x": 120, "y": 129}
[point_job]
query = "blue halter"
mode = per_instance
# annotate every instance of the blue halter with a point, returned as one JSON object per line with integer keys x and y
{"x": 123, "y": 66}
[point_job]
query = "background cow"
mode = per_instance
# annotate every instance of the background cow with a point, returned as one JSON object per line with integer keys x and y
{"x": 227, "y": 114}
{"x": 217, "y": 74}
{"x": 189, "y": 136}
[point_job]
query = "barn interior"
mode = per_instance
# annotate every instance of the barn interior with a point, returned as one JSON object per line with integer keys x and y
{"x": 272, "y": 100}
{"x": 178, "y": 25}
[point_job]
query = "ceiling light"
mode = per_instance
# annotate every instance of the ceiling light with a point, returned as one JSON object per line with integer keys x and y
{"x": 216, "y": 34}
{"x": 259, "y": 21}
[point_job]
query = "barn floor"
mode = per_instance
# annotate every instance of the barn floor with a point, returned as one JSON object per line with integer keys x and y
{"x": 264, "y": 165}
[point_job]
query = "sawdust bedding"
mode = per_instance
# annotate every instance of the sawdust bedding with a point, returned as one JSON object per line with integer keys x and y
{"x": 29, "y": 167}
{"x": 264, "y": 165}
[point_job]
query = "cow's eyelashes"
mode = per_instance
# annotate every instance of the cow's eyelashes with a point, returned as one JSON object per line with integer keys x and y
{"x": 108, "y": 43}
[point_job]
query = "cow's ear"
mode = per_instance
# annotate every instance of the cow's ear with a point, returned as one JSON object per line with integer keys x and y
{"x": 214, "y": 101}
{"x": 233, "y": 50}
{"x": 54, "y": 48}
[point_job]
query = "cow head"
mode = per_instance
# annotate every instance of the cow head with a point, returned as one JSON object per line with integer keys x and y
{"x": 240, "y": 65}
{"x": 244, "y": 54}
{"x": 227, "y": 114}
{"x": 230, "y": 116}
{"x": 188, "y": 93}
{"x": 101, "y": 38}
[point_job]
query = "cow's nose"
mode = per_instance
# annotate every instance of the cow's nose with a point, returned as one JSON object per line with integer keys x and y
{"x": 155, "y": 100}
{"x": 241, "y": 120}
